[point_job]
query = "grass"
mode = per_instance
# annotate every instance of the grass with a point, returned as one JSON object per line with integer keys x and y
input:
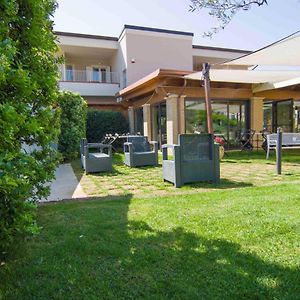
{"x": 241, "y": 242}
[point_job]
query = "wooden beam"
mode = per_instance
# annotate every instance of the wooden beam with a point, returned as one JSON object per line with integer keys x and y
{"x": 216, "y": 93}
{"x": 278, "y": 94}
{"x": 141, "y": 91}
{"x": 152, "y": 99}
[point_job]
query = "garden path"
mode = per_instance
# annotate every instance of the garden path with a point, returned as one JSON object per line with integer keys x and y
{"x": 65, "y": 185}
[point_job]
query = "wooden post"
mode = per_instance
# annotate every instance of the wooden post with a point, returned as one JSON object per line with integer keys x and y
{"x": 205, "y": 72}
{"x": 278, "y": 150}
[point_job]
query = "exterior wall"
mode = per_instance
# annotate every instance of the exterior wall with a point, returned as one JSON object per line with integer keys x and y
{"x": 214, "y": 56}
{"x": 152, "y": 50}
{"x": 105, "y": 103}
{"x": 119, "y": 60}
{"x": 86, "y": 42}
{"x": 110, "y": 108}
{"x": 81, "y": 63}
{"x": 90, "y": 88}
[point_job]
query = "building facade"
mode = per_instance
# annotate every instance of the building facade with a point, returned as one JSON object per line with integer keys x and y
{"x": 142, "y": 73}
{"x": 98, "y": 67}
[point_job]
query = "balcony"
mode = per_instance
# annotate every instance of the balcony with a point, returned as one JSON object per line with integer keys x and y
{"x": 90, "y": 82}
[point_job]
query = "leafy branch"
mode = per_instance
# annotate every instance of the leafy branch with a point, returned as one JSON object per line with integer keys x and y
{"x": 223, "y": 10}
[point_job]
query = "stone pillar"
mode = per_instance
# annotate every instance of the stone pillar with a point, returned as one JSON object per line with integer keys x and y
{"x": 257, "y": 113}
{"x": 257, "y": 119}
{"x": 147, "y": 121}
{"x": 172, "y": 119}
{"x": 181, "y": 107}
{"x": 131, "y": 119}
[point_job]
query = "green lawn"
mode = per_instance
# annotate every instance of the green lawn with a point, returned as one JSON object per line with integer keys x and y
{"x": 228, "y": 243}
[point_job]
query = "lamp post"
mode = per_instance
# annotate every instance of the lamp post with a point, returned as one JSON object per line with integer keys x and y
{"x": 278, "y": 150}
{"x": 205, "y": 72}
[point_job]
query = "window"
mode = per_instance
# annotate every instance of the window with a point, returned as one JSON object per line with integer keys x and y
{"x": 297, "y": 116}
{"x": 69, "y": 73}
{"x": 229, "y": 118}
{"x": 283, "y": 113}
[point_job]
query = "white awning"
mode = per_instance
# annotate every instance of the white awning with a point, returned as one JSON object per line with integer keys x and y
{"x": 285, "y": 52}
{"x": 247, "y": 76}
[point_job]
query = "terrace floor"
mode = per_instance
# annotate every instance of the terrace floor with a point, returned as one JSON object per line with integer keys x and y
{"x": 238, "y": 169}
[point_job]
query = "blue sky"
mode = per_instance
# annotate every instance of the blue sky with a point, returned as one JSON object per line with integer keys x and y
{"x": 249, "y": 30}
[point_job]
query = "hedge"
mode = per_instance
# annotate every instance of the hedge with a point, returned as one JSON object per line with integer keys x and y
{"x": 73, "y": 124}
{"x": 100, "y": 123}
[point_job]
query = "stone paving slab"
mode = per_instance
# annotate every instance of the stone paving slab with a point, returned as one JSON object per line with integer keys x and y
{"x": 65, "y": 185}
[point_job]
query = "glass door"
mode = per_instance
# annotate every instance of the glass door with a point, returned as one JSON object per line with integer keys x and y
{"x": 103, "y": 75}
{"x": 159, "y": 121}
{"x": 139, "y": 121}
{"x": 229, "y": 118}
{"x": 236, "y": 123}
{"x": 69, "y": 73}
{"x": 162, "y": 124}
{"x": 284, "y": 116}
{"x": 296, "y": 116}
{"x": 95, "y": 74}
{"x": 268, "y": 116}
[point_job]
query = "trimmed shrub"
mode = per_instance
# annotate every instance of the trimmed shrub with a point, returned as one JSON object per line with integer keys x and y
{"x": 73, "y": 124}
{"x": 28, "y": 95}
{"x": 100, "y": 123}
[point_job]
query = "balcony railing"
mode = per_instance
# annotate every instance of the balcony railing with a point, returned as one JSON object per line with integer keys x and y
{"x": 90, "y": 76}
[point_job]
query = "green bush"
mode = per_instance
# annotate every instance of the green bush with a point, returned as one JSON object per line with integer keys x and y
{"x": 28, "y": 95}
{"x": 73, "y": 123}
{"x": 100, "y": 123}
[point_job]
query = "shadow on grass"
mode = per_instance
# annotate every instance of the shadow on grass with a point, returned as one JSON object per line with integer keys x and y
{"x": 121, "y": 197}
{"x": 224, "y": 184}
{"x": 292, "y": 155}
{"x": 96, "y": 251}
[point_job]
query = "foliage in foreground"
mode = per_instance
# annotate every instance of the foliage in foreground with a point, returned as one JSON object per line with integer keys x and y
{"x": 28, "y": 93}
{"x": 227, "y": 244}
{"x": 100, "y": 123}
{"x": 73, "y": 123}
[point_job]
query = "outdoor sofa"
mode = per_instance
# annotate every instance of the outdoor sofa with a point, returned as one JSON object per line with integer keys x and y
{"x": 97, "y": 160}
{"x": 138, "y": 152}
{"x": 195, "y": 158}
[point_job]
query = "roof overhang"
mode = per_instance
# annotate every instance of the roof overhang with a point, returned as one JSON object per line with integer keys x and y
{"x": 246, "y": 76}
{"x": 149, "y": 80}
{"x": 284, "y": 52}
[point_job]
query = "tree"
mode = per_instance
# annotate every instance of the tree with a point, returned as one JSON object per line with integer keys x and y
{"x": 28, "y": 117}
{"x": 223, "y": 10}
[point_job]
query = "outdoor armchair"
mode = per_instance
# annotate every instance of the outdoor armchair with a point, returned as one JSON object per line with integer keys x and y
{"x": 195, "y": 158}
{"x": 99, "y": 160}
{"x": 138, "y": 152}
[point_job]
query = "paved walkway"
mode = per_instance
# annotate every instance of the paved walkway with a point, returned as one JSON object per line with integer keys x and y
{"x": 65, "y": 185}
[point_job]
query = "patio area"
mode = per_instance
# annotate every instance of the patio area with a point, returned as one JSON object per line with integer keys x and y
{"x": 238, "y": 170}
